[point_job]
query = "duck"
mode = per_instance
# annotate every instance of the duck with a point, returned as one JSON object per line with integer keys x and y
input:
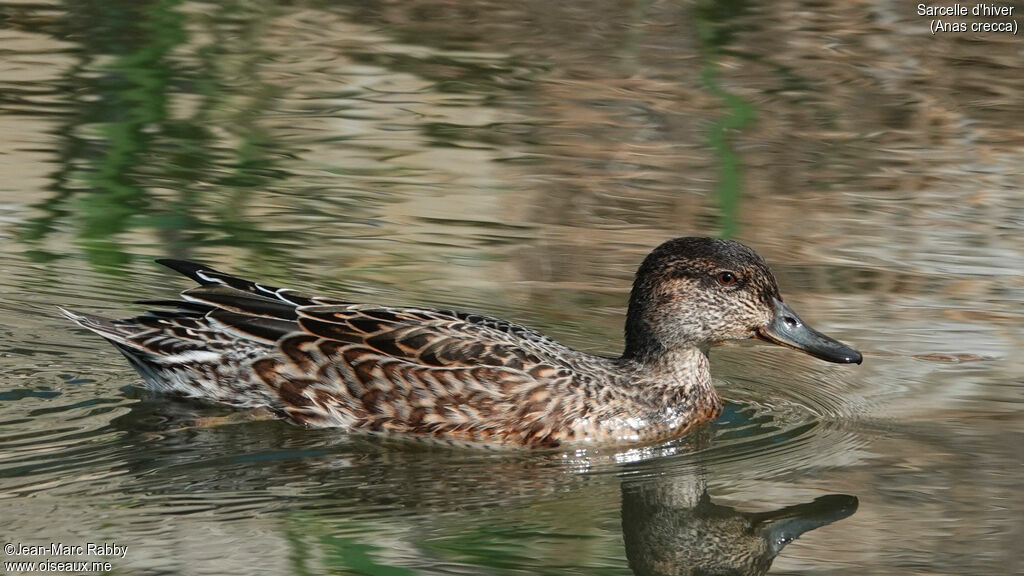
{"x": 464, "y": 378}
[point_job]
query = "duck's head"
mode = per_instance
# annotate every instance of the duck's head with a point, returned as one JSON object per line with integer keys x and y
{"x": 695, "y": 292}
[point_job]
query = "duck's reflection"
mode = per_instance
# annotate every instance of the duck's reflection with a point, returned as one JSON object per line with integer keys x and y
{"x": 367, "y": 487}
{"x": 672, "y": 527}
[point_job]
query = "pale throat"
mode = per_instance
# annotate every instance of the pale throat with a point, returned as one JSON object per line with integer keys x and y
{"x": 685, "y": 368}
{"x": 688, "y": 360}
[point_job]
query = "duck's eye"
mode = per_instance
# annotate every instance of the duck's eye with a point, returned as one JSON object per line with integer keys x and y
{"x": 726, "y": 278}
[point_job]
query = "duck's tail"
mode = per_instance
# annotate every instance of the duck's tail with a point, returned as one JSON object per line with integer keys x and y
{"x": 117, "y": 333}
{"x": 171, "y": 364}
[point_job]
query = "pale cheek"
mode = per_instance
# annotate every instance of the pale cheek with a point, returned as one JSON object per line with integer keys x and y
{"x": 757, "y": 319}
{"x": 742, "y": 322}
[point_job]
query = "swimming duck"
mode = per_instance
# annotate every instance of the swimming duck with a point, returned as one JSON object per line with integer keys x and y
{"x": 464, "y": 378}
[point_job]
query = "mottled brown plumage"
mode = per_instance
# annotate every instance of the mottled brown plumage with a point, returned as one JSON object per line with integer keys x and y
{"x": 459, "y": 377}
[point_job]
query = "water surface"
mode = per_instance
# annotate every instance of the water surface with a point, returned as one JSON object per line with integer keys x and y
{"x": 520, "y": 161}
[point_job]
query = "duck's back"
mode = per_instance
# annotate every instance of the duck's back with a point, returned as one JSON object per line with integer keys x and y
{"x": 449, "y": 375}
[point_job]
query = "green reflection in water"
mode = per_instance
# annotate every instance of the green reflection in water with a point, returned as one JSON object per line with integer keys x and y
{"x": 713, "y": 34}
{"x": 356, "y": 557}
{"x": 315, "y": 545}
{"x": 132, "y": 159}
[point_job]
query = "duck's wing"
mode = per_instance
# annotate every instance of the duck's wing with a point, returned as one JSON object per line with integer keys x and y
{"x": 442, "y": 373}
{"x": 223, "y": 310}
{"x": 422, "y": 336}
{"x": 220, "y": 290}
{"x": 441, "y": 338}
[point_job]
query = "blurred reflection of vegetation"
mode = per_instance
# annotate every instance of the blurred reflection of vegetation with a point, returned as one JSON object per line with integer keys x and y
{"x": 133, "y": 157}
{"x": 340, "y": 554}
{"x": 711, "y": 17}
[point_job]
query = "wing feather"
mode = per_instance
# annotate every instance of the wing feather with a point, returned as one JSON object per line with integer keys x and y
{"x": 438, "y": 373}
{"x": 434, "y": 338}
{"x": 327, "y": 362}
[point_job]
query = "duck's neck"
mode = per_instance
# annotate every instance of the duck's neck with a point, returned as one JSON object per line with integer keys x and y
{"x": 677, "y": 381}
{"x": 642, "y": 344}
{"x": 678, "y": 368}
